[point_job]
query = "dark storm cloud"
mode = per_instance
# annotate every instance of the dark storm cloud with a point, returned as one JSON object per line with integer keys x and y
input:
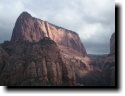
{"x": 97, "y": 48}
{"x": 4, "y": 35}
{"x": 93, "y": 20}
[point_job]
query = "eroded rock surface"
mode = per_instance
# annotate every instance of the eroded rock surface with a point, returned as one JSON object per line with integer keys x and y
{"x": 39, "y": 64}
{"x": 42, "y": 54}
{"x": 32, "y": 29}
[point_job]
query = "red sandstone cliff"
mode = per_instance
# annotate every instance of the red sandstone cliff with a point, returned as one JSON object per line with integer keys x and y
{"x": 41, "y": 63}
{"x": 32, "y": 29}
{"x": 33, "y": 59}
{"x": 41, "y": 54}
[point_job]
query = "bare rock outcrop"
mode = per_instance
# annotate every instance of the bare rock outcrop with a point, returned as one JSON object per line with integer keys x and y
{"x": 32, "y": 29}
{"x": 43, "y": 54}
{"x": 3, "y": 59}
{"x": 39, "y": 64}
{"x": 34, "y": 64}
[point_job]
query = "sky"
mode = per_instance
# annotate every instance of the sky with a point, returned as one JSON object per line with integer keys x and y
{"x": 93, "y": 20}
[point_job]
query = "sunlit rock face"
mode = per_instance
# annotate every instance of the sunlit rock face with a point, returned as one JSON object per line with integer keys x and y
{"x": 42, "y": 54}
{"x": 112, "y": 44}
{"x": 32, "y": 29}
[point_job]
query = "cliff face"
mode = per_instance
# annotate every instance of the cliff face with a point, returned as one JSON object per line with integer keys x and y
{"x": 42, "y": 54}
{"x": 112, "y": 44}
{"x": 32, "y": 29}
{"x": 40, "y": 63}
{"x": 32, "y": 64}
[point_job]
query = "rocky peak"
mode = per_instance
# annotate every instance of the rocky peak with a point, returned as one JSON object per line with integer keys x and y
{"x": 25, "y": 15}
{"x": 32, "y": 29}
{"x": 23, "y": 18}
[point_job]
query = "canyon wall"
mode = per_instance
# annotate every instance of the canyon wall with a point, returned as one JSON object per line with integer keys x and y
{"x": 32, "y": 29}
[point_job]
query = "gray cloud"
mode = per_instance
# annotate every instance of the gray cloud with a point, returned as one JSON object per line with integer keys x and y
{"x": 93, "y": 20}
{"x": 4, "y": 35}
{"x": 97, "y": 48}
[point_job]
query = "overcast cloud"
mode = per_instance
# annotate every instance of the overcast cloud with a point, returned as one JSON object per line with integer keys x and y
{"x": 93, "y": 20}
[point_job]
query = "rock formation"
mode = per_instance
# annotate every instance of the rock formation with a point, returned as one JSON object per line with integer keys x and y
{"x": 38, "y": 64}
{"x": 103, "y": 68}
{"x": 112, "y": 44}
{"x": 32, "y": 64}
{"x": 42, "y": 54}
{"x": 32, "y": 29}
{"x": 3, "y": 58}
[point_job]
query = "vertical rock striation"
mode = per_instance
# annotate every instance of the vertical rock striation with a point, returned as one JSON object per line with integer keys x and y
{"x": 42, "y": 54}
{"x": 24, "y": 63}
{"x": 32, "y": 29}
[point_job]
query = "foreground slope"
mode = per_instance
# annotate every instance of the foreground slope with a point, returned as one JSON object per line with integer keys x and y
{"x": 38, "y": 64}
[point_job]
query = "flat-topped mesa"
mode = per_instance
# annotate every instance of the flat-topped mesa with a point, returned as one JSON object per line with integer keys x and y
{"x": 32, "y": 29}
